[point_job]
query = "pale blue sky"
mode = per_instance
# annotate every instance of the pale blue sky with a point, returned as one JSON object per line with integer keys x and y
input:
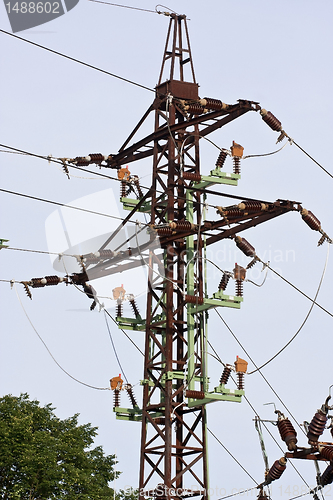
{"x": 277, "y": 53}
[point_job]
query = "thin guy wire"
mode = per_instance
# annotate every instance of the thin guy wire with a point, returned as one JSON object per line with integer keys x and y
{"x": 305, "y": 320}
{"x": 48, "y": 350}
{"x": 114, "y": 347}
{"x": 77, "y": 60}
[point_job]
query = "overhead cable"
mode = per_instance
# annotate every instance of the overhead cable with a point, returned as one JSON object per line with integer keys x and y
{"x": 263, "y": 376}
{"x": 315, "y": 161}
{"x": 303, "y": 323}
{"x": 77, "y": 60}
{"x": 300, "y": 291}
{"x": 256, "y": 413}
{"x": 241, "y": 492}
{"x": 50, "y": 353}
{"x": 114, "y": 347}
{"x": 235, "y": 459}
{"x": 129, "y": 338}
{"x": 63, "y": 205}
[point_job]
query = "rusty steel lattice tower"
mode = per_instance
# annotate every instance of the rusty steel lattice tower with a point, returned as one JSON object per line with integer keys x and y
{"x": 173, "y": 460}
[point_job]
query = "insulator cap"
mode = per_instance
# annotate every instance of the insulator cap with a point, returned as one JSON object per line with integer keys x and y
{"x": 245, "y": 246}
{"x": 311, "y": 220}
{"x": 116, "y": 383}
{"x": 241, "y": 365}
{"x": 317, "y": 426}
{"x": 239, "y": 273}
{"x": 271, "y": 120}
{"x": 287, "y": 433}
{"x": 236, "y": 150}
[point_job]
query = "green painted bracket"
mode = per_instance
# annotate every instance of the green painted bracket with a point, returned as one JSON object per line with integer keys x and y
{"x": 133, "y": 414}
{"x": 2, "y": 241}
{"x": 221, "y": 389}
{"x": 131, "y": 323}
{"x": 218, "y": 300}
{"x": 212, "y": 397}
{"x": 129, "y": 204}
{"x": 217, "y": 177}
{"x": 138, "y": 324}
{"x": 179, "y": 375}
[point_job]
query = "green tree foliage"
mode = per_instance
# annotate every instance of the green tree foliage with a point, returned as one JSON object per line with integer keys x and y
{"x": 43, "y": 457}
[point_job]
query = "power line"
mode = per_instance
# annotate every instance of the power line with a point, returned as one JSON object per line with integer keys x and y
{"x": 126, "y": 6}
{"x": 114, "y": 347}
{"x": 256, "y": 413}
{"x": 50, "y": 353}
{"x": 303, "y": 323}
{"x": 77, "y": 60}
{"x": 263, "y": 376}
{"x": 129, "y": 338}
{"x": 235, "y": 459}
{"x": 238, "y": 493}
{"x": 36, "y": 198}
{"x": 300, "y": 291}
{"x": 315, "y": 161}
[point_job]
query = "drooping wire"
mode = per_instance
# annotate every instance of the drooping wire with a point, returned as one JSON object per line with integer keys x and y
{"x": 129, "y": 338}
{"x": 304, "y": 321}
{"x": 50, "y": 353}
{"x": 114, "y": 347}
{"x": 77, "y": 60}
{"x": 265, "y": 154}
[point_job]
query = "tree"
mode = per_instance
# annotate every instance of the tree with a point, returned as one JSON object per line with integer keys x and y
{"x": 43, "y": 457}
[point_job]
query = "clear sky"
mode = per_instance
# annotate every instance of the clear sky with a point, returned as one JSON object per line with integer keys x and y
{"x": 276, "y": 53}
